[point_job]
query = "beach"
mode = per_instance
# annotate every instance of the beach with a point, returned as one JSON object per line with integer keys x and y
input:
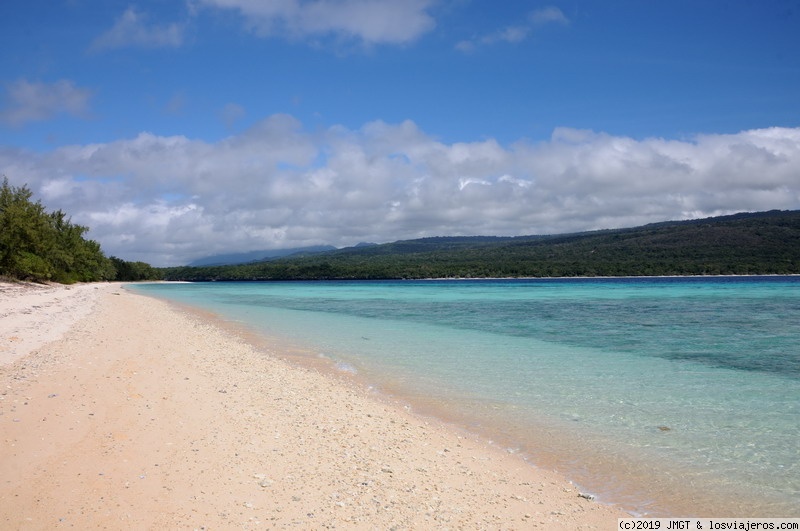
{"x": 121, "y": 411}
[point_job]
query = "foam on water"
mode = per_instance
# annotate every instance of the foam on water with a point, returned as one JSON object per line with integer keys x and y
{"x": 676, "y": 396}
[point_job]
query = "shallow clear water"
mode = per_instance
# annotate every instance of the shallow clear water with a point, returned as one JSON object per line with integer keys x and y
{"x": 668, "y": 395}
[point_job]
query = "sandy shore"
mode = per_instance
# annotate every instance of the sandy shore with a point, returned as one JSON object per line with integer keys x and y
{"x": 118, "y": 411}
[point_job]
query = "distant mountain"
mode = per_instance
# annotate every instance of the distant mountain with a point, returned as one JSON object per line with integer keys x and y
{"x": 758, "y": 243}
{"x": 258, "y": 256}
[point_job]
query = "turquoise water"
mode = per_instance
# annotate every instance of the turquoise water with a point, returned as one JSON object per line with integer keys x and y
{"x": 667, "y": 396}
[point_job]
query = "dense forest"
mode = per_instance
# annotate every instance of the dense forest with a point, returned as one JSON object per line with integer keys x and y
{"x": 38, "y": 245}
{"x": 742, "y": 244}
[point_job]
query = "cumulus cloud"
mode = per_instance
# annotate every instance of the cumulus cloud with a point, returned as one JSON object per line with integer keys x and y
{"x": 367, "y": 21}
{"x": 28, "y": 101}
{"x": 132, "y": 30}
{"x": 516, "y": 33}
{"x": 170, "y": 199}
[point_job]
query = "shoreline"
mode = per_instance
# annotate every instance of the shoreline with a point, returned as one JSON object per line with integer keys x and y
{"x": 634, "y": 480}
{"x": 143, "y": 415}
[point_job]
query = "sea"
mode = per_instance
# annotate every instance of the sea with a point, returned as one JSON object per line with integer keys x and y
{"x": 665, "y": 396}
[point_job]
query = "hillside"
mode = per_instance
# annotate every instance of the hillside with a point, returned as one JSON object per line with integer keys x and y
{"x": 748, "y": 243}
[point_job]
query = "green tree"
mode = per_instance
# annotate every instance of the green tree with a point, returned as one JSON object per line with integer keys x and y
{"x": 133, "y": 271}
{"x": 37, "y": 245}
{"x": 25, "y": 234}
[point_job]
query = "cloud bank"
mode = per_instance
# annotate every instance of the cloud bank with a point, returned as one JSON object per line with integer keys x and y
{"x": 168, "y": 200}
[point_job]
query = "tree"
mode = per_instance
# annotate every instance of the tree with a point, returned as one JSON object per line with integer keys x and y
{"x": 24, "y": 234}
{"x": 37, "y": 245}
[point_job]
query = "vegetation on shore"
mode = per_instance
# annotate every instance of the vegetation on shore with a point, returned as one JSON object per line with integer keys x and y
{"x": 46, "y": 246}
{"x": 742, "y": 244}
{"x": 40, "y": 246}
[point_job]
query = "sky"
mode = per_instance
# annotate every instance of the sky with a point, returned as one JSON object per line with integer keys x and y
{"x": 178, "y": 129}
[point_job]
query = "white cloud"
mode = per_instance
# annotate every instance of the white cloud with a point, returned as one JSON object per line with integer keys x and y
{"x": 131, "y": 30}
{"x": 516, "y": 33}
{"x": 34, "y": 101}
{"x": 367, "y": 21}
{"x": 168, "y": 200}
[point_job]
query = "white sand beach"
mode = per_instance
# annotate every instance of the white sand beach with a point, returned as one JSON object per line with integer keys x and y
{"x": 119, "y": 411}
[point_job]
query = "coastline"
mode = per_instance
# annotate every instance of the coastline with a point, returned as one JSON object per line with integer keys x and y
{"x": 141, "y": 415}
{"x": 635, "y": 478}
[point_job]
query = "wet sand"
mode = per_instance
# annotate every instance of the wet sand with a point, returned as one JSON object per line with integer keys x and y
{"x": 120, "y": 411}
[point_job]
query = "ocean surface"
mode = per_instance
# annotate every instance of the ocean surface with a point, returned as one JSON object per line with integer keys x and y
{"x": 668, "y": 396}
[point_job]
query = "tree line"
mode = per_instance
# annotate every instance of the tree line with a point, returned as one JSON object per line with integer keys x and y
{"x": 744, "y": 244}
{"x": 38, "y": 245}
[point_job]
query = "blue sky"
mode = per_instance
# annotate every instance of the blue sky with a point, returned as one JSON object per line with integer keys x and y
{"x": 177, "y": 129}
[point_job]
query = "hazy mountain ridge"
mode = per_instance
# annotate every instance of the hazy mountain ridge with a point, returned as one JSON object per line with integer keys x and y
{"x": 257, "y": 256}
